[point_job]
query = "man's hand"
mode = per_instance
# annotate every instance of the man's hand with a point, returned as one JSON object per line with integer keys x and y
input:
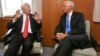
{"x": 60, "y": 36}
{"x": 36, "y": 17}
{"x": 17, "y": 15}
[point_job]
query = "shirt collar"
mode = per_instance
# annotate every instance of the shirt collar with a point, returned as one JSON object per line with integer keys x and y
{"x": 70, "y": 13}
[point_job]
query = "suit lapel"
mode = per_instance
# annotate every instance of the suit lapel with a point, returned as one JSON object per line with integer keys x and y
{"x": 30, "y": 19}
{"x": 21, "y": 21}
{"x": 72, "y": 19}
{"x": 64, "y": 21}
{"x": 31, "y": 22}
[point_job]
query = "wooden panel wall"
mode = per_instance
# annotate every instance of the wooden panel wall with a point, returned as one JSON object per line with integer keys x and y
{"x": 52, "y": 10}
{"x": 3, "y": 25}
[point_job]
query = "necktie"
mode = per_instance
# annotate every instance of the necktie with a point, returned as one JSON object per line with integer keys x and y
{"x": 25, "y": 32}
{"x": 68, "y": 29}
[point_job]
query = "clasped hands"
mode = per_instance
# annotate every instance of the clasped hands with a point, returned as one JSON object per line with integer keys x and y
{"x": 60, "y": 36}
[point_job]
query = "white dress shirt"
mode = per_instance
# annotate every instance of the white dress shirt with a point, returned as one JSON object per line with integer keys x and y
{"x": 23, "y": 26}
{"x": 70, "y": 15}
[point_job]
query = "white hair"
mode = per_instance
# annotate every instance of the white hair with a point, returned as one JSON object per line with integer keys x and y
{"x": 24, "y": 4}
{"x": 70, "y": 3}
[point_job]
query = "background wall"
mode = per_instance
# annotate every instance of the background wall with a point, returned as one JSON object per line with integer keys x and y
{"x": 52, "y": 10}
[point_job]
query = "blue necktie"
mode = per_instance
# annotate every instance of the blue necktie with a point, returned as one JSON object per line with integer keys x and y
{"x": 68, "y": 29}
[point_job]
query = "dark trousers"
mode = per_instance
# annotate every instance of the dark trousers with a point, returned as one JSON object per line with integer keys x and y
{"x": 71, "y": 42}
{"x": 17, "y": 42}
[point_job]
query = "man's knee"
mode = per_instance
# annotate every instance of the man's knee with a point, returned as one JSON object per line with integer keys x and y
{"x": 27, "y": 45}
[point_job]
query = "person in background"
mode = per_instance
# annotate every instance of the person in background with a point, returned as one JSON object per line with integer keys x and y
{"x": 71, "y": 31}
{"x": 25, "y": 26}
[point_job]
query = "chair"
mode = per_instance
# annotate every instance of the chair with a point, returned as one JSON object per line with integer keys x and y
{"x": 84, "y": 52}
{"x": 37, "y": 45}
{"x": 37, "y": 49}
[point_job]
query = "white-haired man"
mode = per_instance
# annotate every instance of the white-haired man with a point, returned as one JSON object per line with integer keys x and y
{"x": 71, "y": 31}
{"x": 25, "y": 27}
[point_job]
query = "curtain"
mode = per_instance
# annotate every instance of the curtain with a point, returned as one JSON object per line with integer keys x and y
{"x": 0, "y": 9}
{"x": 96, "y": 12}
{"x": 37, "y": 7}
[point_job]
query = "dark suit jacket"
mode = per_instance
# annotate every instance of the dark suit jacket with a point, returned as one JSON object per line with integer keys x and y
{"x": 78, "y": 30}
{"x": 77, "y": 24}
{"x": 17, "y": 26}
{"x": 78, "y": 27}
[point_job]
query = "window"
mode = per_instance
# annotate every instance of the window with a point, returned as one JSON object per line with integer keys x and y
{"x": 9, "y": 7}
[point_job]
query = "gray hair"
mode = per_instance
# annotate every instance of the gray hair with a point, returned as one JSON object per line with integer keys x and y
{"x": 24, "y": 4}
{"x": 70, "y": 3}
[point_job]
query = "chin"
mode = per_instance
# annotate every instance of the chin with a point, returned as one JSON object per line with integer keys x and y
{"x": 64, "y": 11}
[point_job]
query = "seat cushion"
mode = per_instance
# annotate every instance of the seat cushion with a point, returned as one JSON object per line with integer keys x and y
{"x": 36, "y": 49}
{"x": 84, "y": 52}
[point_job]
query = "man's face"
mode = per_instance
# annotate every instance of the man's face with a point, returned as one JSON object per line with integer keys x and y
{"x": 26, "y": 9}
{"x": 66, "y": 7}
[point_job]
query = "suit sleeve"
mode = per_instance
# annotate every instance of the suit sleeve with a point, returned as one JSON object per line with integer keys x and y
{"x": 39, "y": 25}
{"x": 81, "y": 26}
{"x": 11, "y": 24}
{"x": 59, "y": 26}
